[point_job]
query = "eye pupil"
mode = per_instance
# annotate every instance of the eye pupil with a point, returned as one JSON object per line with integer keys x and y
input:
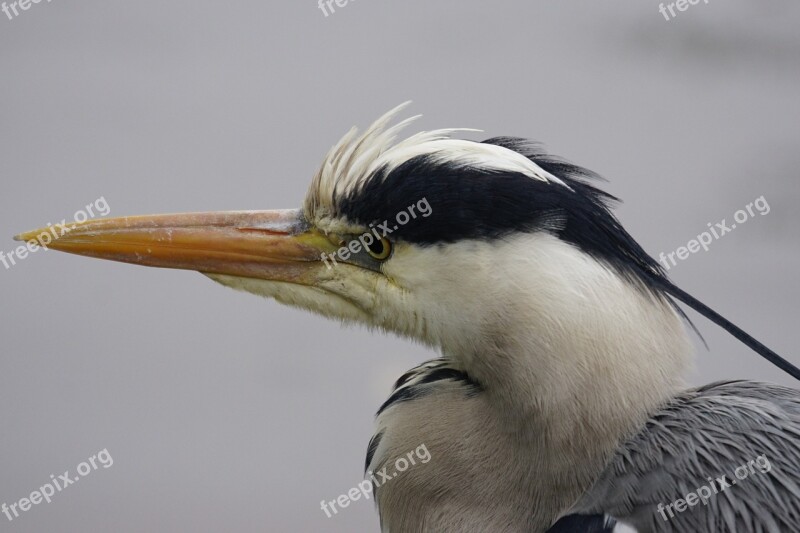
{"x": 377, "y": 248}
{"x": 380, "y": 249}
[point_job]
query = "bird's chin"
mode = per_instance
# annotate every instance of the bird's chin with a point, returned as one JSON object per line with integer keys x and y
{"x": 310, "y": 298}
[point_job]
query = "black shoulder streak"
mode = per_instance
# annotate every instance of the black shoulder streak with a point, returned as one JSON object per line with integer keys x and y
{"x": 402, "y": 395}
{"x": 374, "y": 442}
{"x": 424, "y": 385}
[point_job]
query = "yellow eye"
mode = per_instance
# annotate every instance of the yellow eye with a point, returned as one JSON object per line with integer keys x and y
{"x": 380, "y": 249}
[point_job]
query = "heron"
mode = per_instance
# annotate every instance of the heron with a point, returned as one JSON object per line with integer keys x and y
{"x": 558, "y": 400}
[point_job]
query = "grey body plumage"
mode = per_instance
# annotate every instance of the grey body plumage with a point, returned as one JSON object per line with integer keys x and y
{"x": 703, "y": 438}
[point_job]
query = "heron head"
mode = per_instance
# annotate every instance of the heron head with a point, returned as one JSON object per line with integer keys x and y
{"x": 431, "y": 237}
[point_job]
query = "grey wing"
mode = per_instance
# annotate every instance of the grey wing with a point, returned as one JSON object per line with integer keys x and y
{"x": 672, "y": 476}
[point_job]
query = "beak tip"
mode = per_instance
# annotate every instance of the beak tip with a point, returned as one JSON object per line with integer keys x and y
{"x": 26, "y": 236}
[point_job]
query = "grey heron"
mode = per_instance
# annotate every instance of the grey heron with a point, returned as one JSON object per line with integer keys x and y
{"x": 559, "y": 401}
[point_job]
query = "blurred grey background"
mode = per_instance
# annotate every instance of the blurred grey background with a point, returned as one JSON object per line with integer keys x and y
{"x": 225, "y": 412}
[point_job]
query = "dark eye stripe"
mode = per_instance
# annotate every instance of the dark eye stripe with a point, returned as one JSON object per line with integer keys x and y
{"x": 474, "y": 203}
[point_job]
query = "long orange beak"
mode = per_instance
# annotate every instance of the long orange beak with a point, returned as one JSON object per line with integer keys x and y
{"x": 274, "y": 245}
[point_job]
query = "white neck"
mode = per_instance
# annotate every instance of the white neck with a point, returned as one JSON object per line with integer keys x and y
{"x": 573, "y": 357}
